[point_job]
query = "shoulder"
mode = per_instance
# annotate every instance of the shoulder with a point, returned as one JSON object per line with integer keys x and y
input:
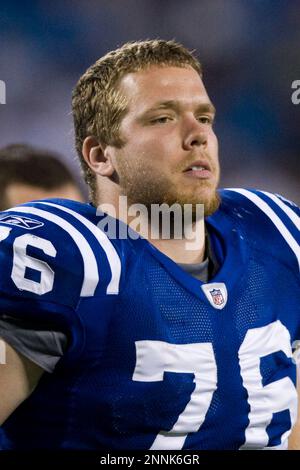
{"x": 257, "y": 200}
{"x": 53, "y": 250}
{"x": 267, "y": 221}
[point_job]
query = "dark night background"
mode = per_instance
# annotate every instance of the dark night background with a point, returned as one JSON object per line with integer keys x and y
{"x": 250, "y": 51}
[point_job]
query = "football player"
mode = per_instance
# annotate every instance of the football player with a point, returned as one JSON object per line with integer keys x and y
{"x": 117, "y": 338}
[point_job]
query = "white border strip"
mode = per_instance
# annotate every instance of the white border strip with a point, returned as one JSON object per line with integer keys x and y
{"x": 91, "y": 275}
{"x": 290, "y": 240}
{"x": 111, "y": 253}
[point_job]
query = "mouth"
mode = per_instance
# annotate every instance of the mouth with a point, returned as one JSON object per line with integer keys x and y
{"x": 199, "y": 169}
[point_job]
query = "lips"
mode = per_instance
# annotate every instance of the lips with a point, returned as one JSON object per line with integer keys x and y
{"x": 198, "y": 169}
{"x": 198, "y": 164}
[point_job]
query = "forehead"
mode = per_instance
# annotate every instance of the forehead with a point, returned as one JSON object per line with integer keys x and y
{"x": 156, "y": 83}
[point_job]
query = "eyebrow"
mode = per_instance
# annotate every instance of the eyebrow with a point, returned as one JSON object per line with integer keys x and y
{"x": 176, "y": 105}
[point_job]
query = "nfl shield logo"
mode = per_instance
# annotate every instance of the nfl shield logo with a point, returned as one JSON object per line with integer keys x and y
{"x": 217, "y": 296}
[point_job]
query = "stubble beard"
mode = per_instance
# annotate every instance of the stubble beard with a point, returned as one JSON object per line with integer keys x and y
{"x": 147, "y": 186}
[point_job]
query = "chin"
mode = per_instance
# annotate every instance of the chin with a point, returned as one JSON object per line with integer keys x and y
{"x": 209, "y": 197}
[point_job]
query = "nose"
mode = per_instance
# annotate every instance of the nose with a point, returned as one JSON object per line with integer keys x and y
{"x": 194, "y": 134}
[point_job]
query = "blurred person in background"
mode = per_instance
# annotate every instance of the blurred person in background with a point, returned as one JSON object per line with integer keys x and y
{"x": 29, "y": 173}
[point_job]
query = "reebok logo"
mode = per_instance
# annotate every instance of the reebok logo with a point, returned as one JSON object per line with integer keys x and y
{"x": 19, "y": 221}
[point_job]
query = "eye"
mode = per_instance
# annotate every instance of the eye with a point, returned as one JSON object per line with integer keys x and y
{"x": 161, "y": 120}
{"x": 205, "y": 119}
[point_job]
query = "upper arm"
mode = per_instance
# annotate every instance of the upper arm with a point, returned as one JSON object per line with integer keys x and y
{"x": 18, "y": 378}
{"x": 37, "y": 287}
{"x": 42, "y": 276}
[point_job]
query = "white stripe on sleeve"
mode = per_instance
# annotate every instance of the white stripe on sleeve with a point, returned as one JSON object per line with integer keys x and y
{"x": 286, "y": 234}
{"x": 91, "y": 275}
{"x": 110, "y": 251}
{"x": 289, "y": 212}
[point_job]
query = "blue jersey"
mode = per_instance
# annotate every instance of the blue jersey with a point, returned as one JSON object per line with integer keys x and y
{"x": 157, "y": 359}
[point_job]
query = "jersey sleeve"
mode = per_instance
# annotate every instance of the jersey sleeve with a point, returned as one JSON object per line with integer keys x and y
{"x": 43, "y": 347}
{"x": 42, "y": 272}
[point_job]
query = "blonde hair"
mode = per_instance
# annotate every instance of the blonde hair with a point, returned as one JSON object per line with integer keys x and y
{"x": 97, "y": 104}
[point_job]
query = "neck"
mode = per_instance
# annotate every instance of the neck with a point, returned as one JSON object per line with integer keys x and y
{"x": 187, "y": 247}
{"x": 184, "y": 250}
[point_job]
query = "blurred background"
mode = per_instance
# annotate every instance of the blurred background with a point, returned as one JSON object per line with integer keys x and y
{"x": 250, "y": 51}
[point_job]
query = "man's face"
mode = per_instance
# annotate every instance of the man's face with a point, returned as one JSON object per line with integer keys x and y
{"x": 171, "y": 151}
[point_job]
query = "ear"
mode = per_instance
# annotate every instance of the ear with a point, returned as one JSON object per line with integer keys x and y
{"x": 97, "y": 157}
